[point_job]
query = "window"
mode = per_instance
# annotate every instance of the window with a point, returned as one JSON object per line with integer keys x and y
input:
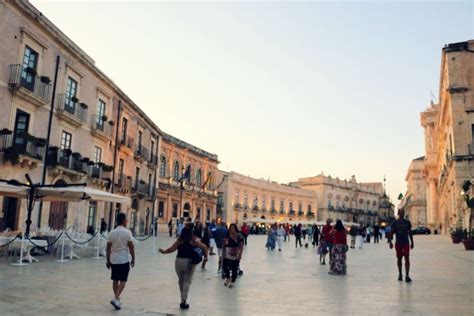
{"x": 137, "y": 176}
{"x": 150, "y": 191}
{"x": 272, "y": 206}
{"x": 163, "y": 167}
{"x": 124, "y": 130}
{"x": 140, "y": 136}
{"x": 28, "y": 72}
{"x": 91, "y": 217}
{"x": 22, "y": 121}
{"x": 71, "y": 92}
{"x": 282, "y": 205}
{"x": 300, "y": 207}
{"x": 152, "y": 148}
{"x": 176, "y": 171}
{"x": 190, "y": 173}
{"x": 198, "y": 178}
{"x": 255, "y": 200}
{"x": 329, "y": 203}
{"x": 291, "y": 206}
{"x": 66, "y": 140}
{"x": 120, "y": 169}
{"x": 309, "y": 209}
{"x": 99, "y": 121}
{"x": 161, "y": 208}
{"x": 237, "y": 197}
{"x": 175, "y": 209}
{"x": 246, "y": 199}
{"x": 208, "y": 214}
{"x": 264, "y": 202}
{"x": 97, "y": 154}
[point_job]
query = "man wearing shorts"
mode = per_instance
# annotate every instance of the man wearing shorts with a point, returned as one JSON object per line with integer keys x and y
{"x": 404, "y": 238}
{"x": 119, "y": 249}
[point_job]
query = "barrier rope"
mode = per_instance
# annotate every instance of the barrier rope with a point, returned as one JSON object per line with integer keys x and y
{"x": 146, "y": 237}
{"x": 48, "y": 245}
{"x": 80, "y": 242}
{"x": 11, "y": 241}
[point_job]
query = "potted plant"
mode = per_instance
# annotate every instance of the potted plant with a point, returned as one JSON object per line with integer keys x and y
{"x": 67, "y": 152}
{"x": 45, "y": 79}
{"x": 85, "y": 159}
{"x": 90, "y": 163}
{"x": 76, "y": 155}
{"x": 40, "y": 142}
{"x": 83, "y": 105}
{"x": 31, "y": 71}
{"x": 456, "y": 235}
{"x": 11, "y": 154}
{"x": 111, "y": 123}
{"x": 469, "y": 238}
{"x": 5, "y": 131}
{"x": 104, "y": 118}
{"x": 74, "y": 99}
{"x": 107, "y": 168}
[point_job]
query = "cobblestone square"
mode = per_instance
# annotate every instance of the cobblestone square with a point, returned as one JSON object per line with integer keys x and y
{"x": 290, "y": 282}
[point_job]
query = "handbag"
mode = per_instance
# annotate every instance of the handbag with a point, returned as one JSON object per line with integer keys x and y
{"x": 196, "y": 256}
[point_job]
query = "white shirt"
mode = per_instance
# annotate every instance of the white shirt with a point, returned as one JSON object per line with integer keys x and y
{"x": 281, "y": 232}
{"x": 119, "y": 238}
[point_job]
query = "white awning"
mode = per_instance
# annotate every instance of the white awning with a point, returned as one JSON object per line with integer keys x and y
{"x": 79, "y": 193}
{"x": 13, "y": 190}
{"x": 66, "y": 194}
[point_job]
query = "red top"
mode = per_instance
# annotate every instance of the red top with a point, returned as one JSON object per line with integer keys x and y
{"x": 326, "y": 230}
{"x": 340, "y": 238}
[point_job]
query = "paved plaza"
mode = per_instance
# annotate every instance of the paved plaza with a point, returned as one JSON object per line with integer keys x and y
{"x": 287, "y": 283}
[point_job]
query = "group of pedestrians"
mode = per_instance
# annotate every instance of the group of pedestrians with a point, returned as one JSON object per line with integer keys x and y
{"x": 195, "y": 242}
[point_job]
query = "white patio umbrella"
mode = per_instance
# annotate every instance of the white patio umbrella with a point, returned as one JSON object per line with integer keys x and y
{"x": 13, "y": 190}
{"x": 76, "y": 194}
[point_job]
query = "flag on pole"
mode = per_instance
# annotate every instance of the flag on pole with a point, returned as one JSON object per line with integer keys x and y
{"x": 186, "y": 174}
{"x": 207, "y": 180}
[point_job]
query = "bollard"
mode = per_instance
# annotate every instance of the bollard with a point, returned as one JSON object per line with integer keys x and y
{"x": 153, "y": 245}
{"x": 62, "y": 260}
{"x": 21, "y": 263}
{"x": 98, "y": 247}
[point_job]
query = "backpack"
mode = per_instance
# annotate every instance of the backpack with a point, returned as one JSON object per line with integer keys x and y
{"x": 196, "y": 256}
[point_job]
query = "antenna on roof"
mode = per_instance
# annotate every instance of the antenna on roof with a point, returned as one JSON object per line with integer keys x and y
{"x": 384, "y": 184}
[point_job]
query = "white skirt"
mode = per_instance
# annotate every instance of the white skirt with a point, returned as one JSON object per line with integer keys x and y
{"x": 212, "y": 243}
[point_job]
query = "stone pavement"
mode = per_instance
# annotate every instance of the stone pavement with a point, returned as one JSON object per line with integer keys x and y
{"x": 287, "y": 283}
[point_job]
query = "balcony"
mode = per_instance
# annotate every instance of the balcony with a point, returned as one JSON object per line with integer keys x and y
{"x": 22, "y": 148}
{"x": 100, "y": 173}
{"x": 127, "y": 144}
{"x": 70, "y": 110}
{"x": 101, "y": 128}
{"x": 263, "y": 210}
{"x": 142, "y": 188}
{"x": 153, "y": 161}
{"x": 237, "y": 206}
{"x": 309, "y": 214}
{"x": 124, "y": 183}
{"x": 282, "y": 212}
{"x": 64, "y": 161}
{"x": 300, "y": 213}
{"x": 26, "y": 84}
{"x": 273, "y": 211}
{"x": 292, "y": 212}
{"x": 141, "y": 153}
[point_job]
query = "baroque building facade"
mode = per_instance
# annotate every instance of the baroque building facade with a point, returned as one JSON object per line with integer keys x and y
{"x": 196, "y": 197}
{"x": 414, "y": 201}
{"x": 64, "y": 121}
{"x": 348, "y": 200}
{"x": 449, "y": 138}
{"x": 242, "y": 198}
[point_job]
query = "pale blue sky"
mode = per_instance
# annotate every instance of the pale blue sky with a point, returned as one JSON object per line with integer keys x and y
{"x": 281, "y": 90}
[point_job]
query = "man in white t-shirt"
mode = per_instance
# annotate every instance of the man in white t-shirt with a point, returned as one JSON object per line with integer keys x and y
{"x": 119, "y": 248}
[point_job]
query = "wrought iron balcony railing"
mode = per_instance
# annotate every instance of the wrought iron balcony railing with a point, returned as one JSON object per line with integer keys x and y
{"x": 27, "y": 79}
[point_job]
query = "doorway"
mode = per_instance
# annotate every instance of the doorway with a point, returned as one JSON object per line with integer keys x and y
{"x": 58, "y": 213}
{"x": 10, "y": 214}
{"x": 186, "y": 210}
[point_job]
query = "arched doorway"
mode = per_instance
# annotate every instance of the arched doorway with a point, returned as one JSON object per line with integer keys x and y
{"x": 58, "y": 213}
{"x": 186, "y": 210}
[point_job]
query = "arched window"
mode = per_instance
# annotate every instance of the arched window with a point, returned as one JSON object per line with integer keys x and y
{"x": 190, "y": 178}
{"x": 176, "y": 171}
{"x": 198, "y": 177}
{"x": 163, "y": 167}
{"x": 210, "y": 181}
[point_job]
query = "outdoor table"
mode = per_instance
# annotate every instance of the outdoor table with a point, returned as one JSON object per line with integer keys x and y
{"x": 27, "y": 246}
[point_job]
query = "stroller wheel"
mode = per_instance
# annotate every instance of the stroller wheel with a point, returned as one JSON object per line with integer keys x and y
{"x": 240, "y": 273}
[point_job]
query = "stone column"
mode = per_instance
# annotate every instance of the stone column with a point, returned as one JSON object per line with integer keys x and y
{"x": 433, "y": 204}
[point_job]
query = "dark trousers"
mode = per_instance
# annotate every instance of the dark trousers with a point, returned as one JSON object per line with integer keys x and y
{"x": 245, "y": 239}
{"x": 171, "y": 232}
{"x": 376, "y": 238}
{"x": 316, "y": 240}
{"x": 298, "y": 240}
{"x": 231, "y": 265}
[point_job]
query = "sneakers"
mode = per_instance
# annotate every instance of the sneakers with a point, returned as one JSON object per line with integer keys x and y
{"x": 407, "y": 279}
{"x": 227, "y": 282}
{"x": 400, "y": 277}
{"x": 184, "y": 305}
{"x": 116, "y": 304}
{"x": 231, "y": 285}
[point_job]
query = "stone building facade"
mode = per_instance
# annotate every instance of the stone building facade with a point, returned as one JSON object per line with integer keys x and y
{"x": 197, "y": 197}
{"x": 348, "y": 200}
{"x": 414, "y": 200}
{"x": 64, "y": 118}
{"x": 244, "y": 198}
{"x": 449, "y": 139}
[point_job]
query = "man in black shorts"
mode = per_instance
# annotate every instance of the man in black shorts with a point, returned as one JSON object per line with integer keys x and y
{"x": 119, "y": 248}
{"x": 402, "y": 230}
